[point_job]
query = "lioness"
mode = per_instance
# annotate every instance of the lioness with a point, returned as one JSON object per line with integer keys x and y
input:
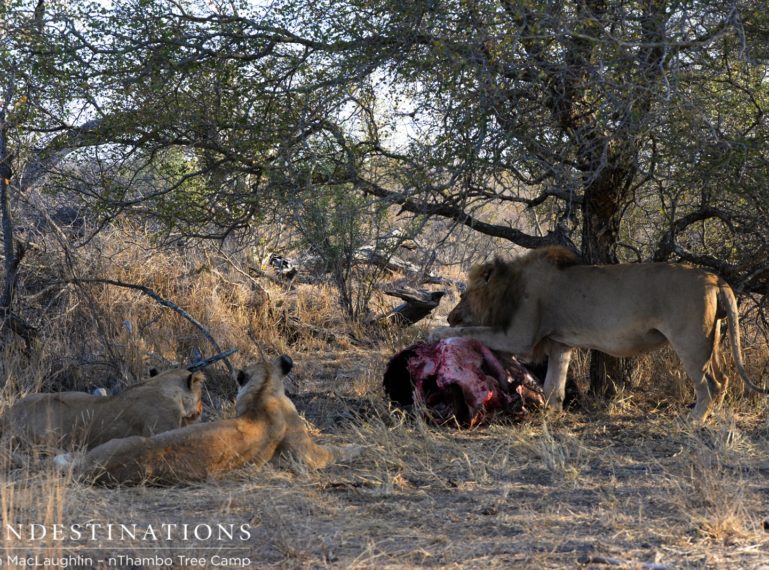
{"x": 167, "y": 401}
{"x": 266, "y": 425}
{"x": 546, "y": 302}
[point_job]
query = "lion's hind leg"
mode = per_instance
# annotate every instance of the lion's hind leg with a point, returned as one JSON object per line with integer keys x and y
{"x": 706, "y": 386}
{"x": 297, "y": 445}
{"x": 720, "y": 379}
{"x": 699, "y": 357}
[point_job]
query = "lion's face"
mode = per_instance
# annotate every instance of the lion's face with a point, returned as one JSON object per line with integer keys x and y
{"x": 164, "y": 402}
{"x": 260, "y": 378}
{"x": 190, "y": 390}
{"x": 462, "y": 314}
{"x": 488, "y": 286}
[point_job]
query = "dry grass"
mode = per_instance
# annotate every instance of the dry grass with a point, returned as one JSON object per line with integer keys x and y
{"x": 633, "y": 482}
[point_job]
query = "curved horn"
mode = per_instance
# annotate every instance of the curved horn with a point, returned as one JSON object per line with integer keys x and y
{"x": 211, "y": 359}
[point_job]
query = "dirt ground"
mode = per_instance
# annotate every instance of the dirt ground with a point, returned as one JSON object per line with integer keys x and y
{"x": 634, "y": 486}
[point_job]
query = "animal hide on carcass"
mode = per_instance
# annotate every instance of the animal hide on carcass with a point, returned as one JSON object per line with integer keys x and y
{"x": 461, "y": 380}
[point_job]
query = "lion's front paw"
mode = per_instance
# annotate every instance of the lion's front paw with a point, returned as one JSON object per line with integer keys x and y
{"x": 440, "y": 333}
{"x": 555, "y": 405}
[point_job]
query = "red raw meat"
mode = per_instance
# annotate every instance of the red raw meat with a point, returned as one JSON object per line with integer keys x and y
{"x": 461, "y": 380}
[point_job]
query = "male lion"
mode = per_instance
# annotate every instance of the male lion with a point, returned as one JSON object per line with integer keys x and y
{"x": 545, "y": 302}
{"x": 167, "y": 401}
{"x": 266, "y": 424}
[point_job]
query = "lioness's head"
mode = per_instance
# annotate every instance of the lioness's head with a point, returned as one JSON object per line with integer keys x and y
{"x": 181, "y": 383}
{"x": 494, "y": 289}
{"x": 259, "y": 379}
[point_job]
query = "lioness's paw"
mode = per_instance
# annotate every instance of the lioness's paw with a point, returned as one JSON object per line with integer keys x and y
{"x": 697, "y": 419}
{"x": 347, "y": 453}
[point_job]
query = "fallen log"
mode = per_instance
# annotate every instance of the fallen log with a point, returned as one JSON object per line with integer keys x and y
{"x": 370, "y": 255}
{"x": 417, "y": 305}
{"x": 288, "y": 269}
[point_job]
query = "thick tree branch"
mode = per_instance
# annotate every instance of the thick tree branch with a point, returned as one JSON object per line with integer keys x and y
{"x": 94, "y": 132}
{"x": 443, "y": 209}
{"x": 667, "y": 244}
{"x": 449, "y": 211}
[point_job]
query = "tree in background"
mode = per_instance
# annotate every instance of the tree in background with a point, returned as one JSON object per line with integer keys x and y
{"x": 580, "y": 111}
{"x": 623, "y": 130}
{"x": 34, "y": 96}
{"x": 601, "y": 113}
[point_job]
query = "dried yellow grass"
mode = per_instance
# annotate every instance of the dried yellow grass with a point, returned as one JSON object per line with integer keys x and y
{"x": 633, "y": 482}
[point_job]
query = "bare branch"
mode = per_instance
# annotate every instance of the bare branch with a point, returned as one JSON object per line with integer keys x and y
{"x": 160, "y": 300}
{"x": 667, "y": 243}
{"x": 443, "y": 209}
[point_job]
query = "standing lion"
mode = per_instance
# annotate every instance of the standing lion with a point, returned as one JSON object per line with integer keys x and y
{"x": 545, "y": 302}
{"x": 266, "y": 425}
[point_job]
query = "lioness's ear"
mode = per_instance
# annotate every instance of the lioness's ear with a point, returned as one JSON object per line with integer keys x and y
{"x": 242, "y": 378}
{"x": 286, "y": 364}
{"x": 195, "y": 379}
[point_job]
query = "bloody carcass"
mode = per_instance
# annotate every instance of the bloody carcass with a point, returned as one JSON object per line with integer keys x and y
{"x": 460, "y": 380}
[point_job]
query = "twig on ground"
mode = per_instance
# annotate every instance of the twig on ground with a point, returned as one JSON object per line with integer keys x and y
{"x": 584, "y": 560}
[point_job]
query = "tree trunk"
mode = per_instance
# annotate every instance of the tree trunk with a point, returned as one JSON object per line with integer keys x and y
{"x": 610, "y": 164}
{"x": 605, "y": 197}
{"x": 12, "y": 251}
{"x": 608, "y": 374}
{"x": 10, "y": 263}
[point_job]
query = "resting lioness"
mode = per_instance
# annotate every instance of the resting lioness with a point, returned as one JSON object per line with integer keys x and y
{"x": 167, "y": 401}
{"x": 266, "y": 425}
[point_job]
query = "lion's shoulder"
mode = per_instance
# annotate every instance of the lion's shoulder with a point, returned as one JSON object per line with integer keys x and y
{"x": 557, "y": 255}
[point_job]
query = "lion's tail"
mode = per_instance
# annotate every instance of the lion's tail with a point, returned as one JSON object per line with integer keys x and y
{"x": 729, "y": 304}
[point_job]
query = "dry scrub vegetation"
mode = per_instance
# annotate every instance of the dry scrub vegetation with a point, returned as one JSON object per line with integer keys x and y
{"x": 633, "y": 483}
